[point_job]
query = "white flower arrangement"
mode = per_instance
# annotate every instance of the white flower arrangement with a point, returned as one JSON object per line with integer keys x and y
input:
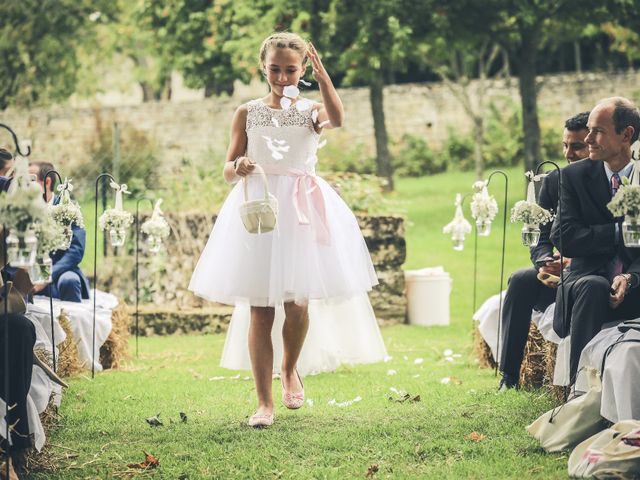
{"x": 22, "y": 206}
{"x": 530, "y": 213}
{"x": 459, "y": 226}
{"x": 114, "y": 219}
{"x": 626, "y": 201}
{"x": 51, "y": 236}
{"x": 156, "y": 225}
{"x": 484, "y": 207}
{"x": 67, "y": 212}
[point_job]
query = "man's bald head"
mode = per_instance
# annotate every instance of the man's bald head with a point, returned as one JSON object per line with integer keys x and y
{"x": 625, "y": 114}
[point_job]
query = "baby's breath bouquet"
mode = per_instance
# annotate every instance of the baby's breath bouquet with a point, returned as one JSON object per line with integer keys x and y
{"x": 51, "y": 236}
{"x": 458, "y": 227}
{"x": 626, "y": 201}
{"x": 484, "y": 207}
{"x": 156, "y": 225}
{"x": 530, "y": 213}
{"x": 67, "y": 212}
{"x": 22, "y": 207}
{"x": 116, "y": 220}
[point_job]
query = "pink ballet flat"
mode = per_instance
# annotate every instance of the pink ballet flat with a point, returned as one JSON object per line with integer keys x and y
{"x": 261, "y": 420}
{"x": 292, "y": 401}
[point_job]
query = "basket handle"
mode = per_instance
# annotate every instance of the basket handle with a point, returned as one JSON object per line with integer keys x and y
{"x": 245, "y": 181}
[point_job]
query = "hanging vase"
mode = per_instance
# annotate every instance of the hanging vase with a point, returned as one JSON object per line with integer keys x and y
{"x": 631, "y": 232}
{"x": 154, "y": 243}
{"x": 458, "y": 241}
{"x": 483, "y": 227}
{"x": 117, "y": 236}
{"x": 530, "y": 235}
{"x": 41, "y": 270}
{"x": 22, "y": 247}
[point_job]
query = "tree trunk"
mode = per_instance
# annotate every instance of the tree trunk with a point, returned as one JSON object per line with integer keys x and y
{"x": 478, "y": 147}
{"x": 383, "y": 158}
{"x": 148, "y": 92}
{"x": 577, "y": 55}
{"x": 529, "y": 101}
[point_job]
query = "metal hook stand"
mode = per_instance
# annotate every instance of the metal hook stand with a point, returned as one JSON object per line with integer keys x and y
{"x": 53, "y": 334}
{"x": 475, "y": 262}
{"x": 95, "y": 273}
{"x": 559, "y": 214}
{"x": 6, "y": 454}
{"x": 137, "y": 264}
{"x": 504, "y": 237}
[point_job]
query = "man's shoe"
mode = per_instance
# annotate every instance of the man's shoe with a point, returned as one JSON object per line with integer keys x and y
{"x": 508, "y": 382}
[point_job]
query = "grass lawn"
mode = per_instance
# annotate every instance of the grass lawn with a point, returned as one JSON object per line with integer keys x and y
{"x": 104, "y": 427}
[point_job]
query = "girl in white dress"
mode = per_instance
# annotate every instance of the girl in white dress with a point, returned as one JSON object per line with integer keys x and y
{"x": 312, "y": 273}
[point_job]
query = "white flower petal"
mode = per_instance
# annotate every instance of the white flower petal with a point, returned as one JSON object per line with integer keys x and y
{"x": 305, "y": 83}
{"x": 394, "y": 390}
{"x": 391, "y": 372}
{"x": 449, "y": 359}
{"x": 418, "y": 361}
{"x": 387, "y": 358}
{"x": 322, "y": 144}
{"x": 216, "y": 378}
{"x": 275, "y": 122}
{"x": 405, "y": 357}
{"x": 303, "y": 105}
{"x": 445, "y": 380}
{"x": 291, "y": 91}
{"x": 309, "y": 402}
{"x": 285, "y": 103}
{"x": 448, "y": 352}
{"x": 277, "y": 155}
{"x": 416, "y": 375}
{"x": 314, "y": 116}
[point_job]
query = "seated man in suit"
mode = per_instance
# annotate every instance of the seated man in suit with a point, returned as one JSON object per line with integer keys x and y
{"x": 68, "y": 281}
{"x": 525, "y": 292}
{"x": 601, "y": 284}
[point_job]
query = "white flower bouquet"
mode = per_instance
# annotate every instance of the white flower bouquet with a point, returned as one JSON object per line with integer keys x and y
{"x": 484, "y": 207}
{"x": 156, "y": 225}
{"x": 458, "y": 227}
{"x": 22, "y": 207}
{"x": 530, "y": 213}
{"x": 67, "y": 212}
{"x": 626, "y": 201}
{"x": 115, "y": 219}
{"x": 51, "y": 236}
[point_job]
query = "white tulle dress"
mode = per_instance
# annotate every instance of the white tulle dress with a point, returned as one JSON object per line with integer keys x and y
{"x": 316, "y": 255}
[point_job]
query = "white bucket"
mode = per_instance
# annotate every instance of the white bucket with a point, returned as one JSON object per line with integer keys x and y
{"x": 428, "y": 292}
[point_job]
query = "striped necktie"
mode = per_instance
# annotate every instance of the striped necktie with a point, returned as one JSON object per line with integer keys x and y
{"x": 615, "y": 183}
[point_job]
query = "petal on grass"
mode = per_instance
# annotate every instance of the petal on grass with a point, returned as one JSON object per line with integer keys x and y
{"x": 391, "y": 372}
{"x": 418, "y": 361}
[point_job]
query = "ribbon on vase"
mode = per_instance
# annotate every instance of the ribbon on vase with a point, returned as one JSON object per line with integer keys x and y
{"x": 157, "y": 213}
{"x": 120, "y": 189}
{"x": 65, "y": 189}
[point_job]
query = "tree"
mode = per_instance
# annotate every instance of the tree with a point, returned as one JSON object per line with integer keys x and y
{"x": 523, "y": 28}
{"x": 375, "y": 39}
{"x": 38, "y": 47}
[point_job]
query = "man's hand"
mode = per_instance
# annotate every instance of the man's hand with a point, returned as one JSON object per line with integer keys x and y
{"x": 552, "y": 265}
{"x": 37, "y": 288}
{"x": 619, "y": 288}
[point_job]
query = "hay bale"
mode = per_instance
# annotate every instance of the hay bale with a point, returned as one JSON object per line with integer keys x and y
{"x": 116, "y": 347}
{"x": 482, "y": 350}
{"x": 43, "y": 461}
{"x": 533, "y": 372}
{"x": 68, "y": 359}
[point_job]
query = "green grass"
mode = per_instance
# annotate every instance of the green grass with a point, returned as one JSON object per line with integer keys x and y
{"x": 104, "y": 425}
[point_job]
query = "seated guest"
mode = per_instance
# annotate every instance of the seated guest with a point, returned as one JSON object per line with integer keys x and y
{"x": 525, "y": 291}
{"x": 601, "y": 284}
{"x": 6, "y": 162}
{"x": 68, "y": 281}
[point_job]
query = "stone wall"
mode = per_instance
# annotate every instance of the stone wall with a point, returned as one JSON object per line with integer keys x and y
{"x": 164, "y": 277}
{"x": 197, "y": 128}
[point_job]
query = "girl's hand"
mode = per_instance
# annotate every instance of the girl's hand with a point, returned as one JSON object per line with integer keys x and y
{"x": 244, "y": 166}
{"x": 319, "y": 72}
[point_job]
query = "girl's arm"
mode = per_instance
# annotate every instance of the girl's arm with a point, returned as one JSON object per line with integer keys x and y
{"x": 238, "y": 148}
{"x": 331, "y": 109}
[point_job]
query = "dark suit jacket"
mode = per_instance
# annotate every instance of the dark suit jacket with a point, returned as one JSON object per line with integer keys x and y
{"x": 588, "y": 230}
{"x": 548, "y": 199}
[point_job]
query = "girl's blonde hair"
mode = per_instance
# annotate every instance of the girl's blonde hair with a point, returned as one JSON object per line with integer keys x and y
{"x": 284, "y": 40}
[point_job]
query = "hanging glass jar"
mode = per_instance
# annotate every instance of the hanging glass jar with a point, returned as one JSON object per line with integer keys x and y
{"x": 154, "y": 243}
{"x": 41, "y": 271}
{"x": 458, "y": 241}
{"x": 117, "y": 236}
{"x": 22, "y": 247}
{"x": 631, "y": 232}
{"x": 483, "y": 227}
{"x": 530, "y": 235}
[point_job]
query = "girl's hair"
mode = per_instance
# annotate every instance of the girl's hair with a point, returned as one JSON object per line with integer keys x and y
{"x": 284, "y": 40}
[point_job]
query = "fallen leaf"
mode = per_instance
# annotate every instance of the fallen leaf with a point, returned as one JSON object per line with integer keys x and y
{"x": 476, "y": 437}
{"x": 183, "y": 417}
{"x": 149, "y": 462}
{"x": 372, "y": 470}
{"x": 154, "y": 421}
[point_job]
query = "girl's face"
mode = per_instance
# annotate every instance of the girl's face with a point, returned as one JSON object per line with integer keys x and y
{"x": 283, "y": 66}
